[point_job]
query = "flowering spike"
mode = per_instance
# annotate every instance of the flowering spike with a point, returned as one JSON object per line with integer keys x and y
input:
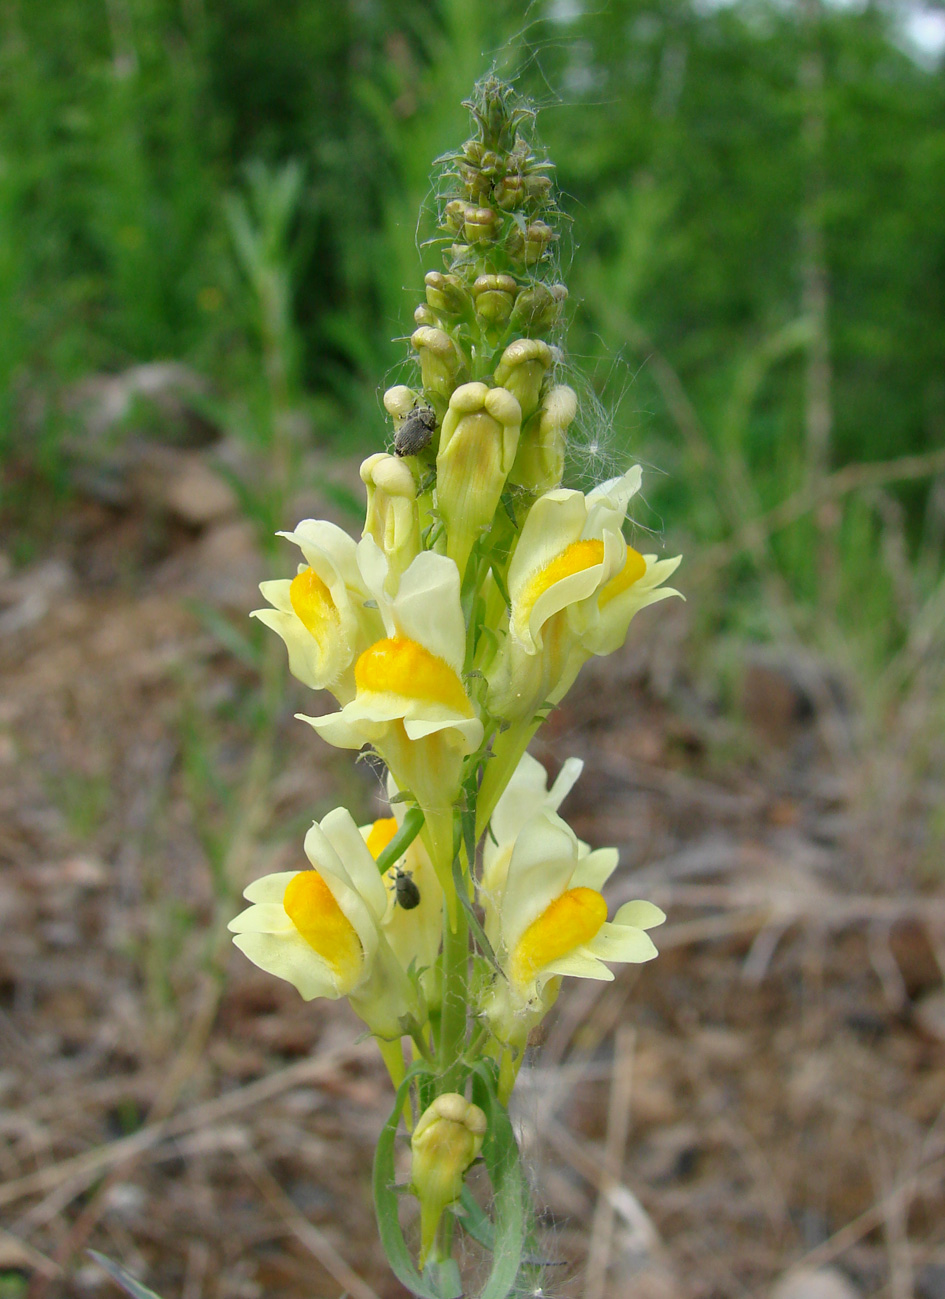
{"x": 478, "y": 589}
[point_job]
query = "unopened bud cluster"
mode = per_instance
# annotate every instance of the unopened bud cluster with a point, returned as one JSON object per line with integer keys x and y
{"x": 488, "y": 315}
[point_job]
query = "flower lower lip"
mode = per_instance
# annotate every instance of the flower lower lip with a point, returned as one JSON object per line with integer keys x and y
{"x": 313, "y": 909}
{"x": 403, "y": 667}
{"x": 570, "y": 921}
{"x": 573, "y": 559}
{"x": 312, "y": 602}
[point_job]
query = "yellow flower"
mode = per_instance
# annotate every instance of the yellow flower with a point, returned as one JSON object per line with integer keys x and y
{"x": 320, "y": 929}
{"x": 413, "y": 932}
{"x": 549, "y": 919}
{"x": 410, "y": 702}
{"x": 526, "y": 795}
{"x": 574, "y": 586}
{"x": 320, "y": 613}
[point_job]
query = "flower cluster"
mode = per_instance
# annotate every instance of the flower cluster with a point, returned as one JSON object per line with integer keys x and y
{"x": 479, "y": 588}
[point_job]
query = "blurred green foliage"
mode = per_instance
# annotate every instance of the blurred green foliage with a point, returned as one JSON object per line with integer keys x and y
{"x": 756, "y": 189}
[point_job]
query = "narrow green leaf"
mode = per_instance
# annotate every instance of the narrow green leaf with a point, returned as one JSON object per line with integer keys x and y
{"x": 508, "y": 504}
{"x": 478, "y": 933}
{"x": 444, "y": 1275}
{"x": 122, "y": 1277}
{"x": 408, "y": 831}
{"x": 469, "y": 835}
{"x": 503, "y": 589}
{"x": 475, "y": 1221}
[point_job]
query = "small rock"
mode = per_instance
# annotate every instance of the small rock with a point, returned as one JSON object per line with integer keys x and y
{"x": 653, "y": 1280}
{"x": 197, "y": 495}
{"x": 223, "y": 569}
{"x": 229, "y": 567}
{"x": 126, "y": 1200}
{"x": 914, "y": 953}
{"x": 78, "y": 872}
{"x": 783, "y": 692}
{"x": 823, "y": 1283}
{"x": 929, "y": 1014}
{"x": 104, "y": 401}
{"x": 30, "y": 595}
{"x": 930, "y": 1283}
{"x": 177, "y": 483}
{"x": 721, "y": 1046}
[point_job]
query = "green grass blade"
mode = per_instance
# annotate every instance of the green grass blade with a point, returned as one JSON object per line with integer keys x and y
{"x": 122, "y": 1277}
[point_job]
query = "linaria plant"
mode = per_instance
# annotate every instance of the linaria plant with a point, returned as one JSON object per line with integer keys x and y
{"x": 478, "y": 589}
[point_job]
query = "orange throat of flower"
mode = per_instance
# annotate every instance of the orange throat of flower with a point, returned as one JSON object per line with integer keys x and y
{"x": 403, "y": 667}
{"x": 311, "y": 906}
{"x": 569, "y": 922}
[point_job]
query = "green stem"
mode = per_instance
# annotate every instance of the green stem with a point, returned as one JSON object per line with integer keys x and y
{"x": 474, "y": 1049}
{"x": 437, "y": 834}
{"x": 509, "y": 1064}
{"x": 393, "y": 1057}
{"x": 507, "y": 750}
{"x": 421, "y": 1048}
{"x": 455, "y": 999}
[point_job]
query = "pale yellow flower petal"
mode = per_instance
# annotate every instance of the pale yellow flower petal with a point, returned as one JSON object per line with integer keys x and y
{"x": 270, "y": 888}
{"x": 643, "y": 915}
{"x": 289, "y": 957}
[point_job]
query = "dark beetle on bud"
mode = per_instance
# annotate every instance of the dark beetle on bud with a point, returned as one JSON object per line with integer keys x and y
{"x": 415, "y": 432}
{"x": 406, "y": 892}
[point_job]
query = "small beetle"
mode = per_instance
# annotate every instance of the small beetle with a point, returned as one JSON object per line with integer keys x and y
{"x": 415, "y": 432}
{"x": 406, "y": 892}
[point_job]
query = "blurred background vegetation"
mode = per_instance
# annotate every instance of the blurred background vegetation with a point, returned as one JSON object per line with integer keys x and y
{"x": 209, "y": 260}
{"x": 756, "y": 191}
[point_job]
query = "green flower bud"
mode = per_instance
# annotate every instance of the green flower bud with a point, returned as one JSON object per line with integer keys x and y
{"x": 477, "y": 183}
{"x": 530, "y": 247}
{"x": 537, "y": 186}
{"x": 446, "y": 1140}
{"x": 522, "y": 371}
{"x": 478, "y": 440}
{"x": 445, "y": 293}
{"x": 392, "y": 516}
{"x": 538, "y": 307}
{"x": 399, "y": 401}
{"x": 441, "y": 362}
{"x": 454, "y": 215}
{"x": 539, "y": 463}
{"x": 494, "y": 296}
{"x": 509, "y": 193}
{"x": 480, "y": 225}
{"x": 424, "y": 315}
